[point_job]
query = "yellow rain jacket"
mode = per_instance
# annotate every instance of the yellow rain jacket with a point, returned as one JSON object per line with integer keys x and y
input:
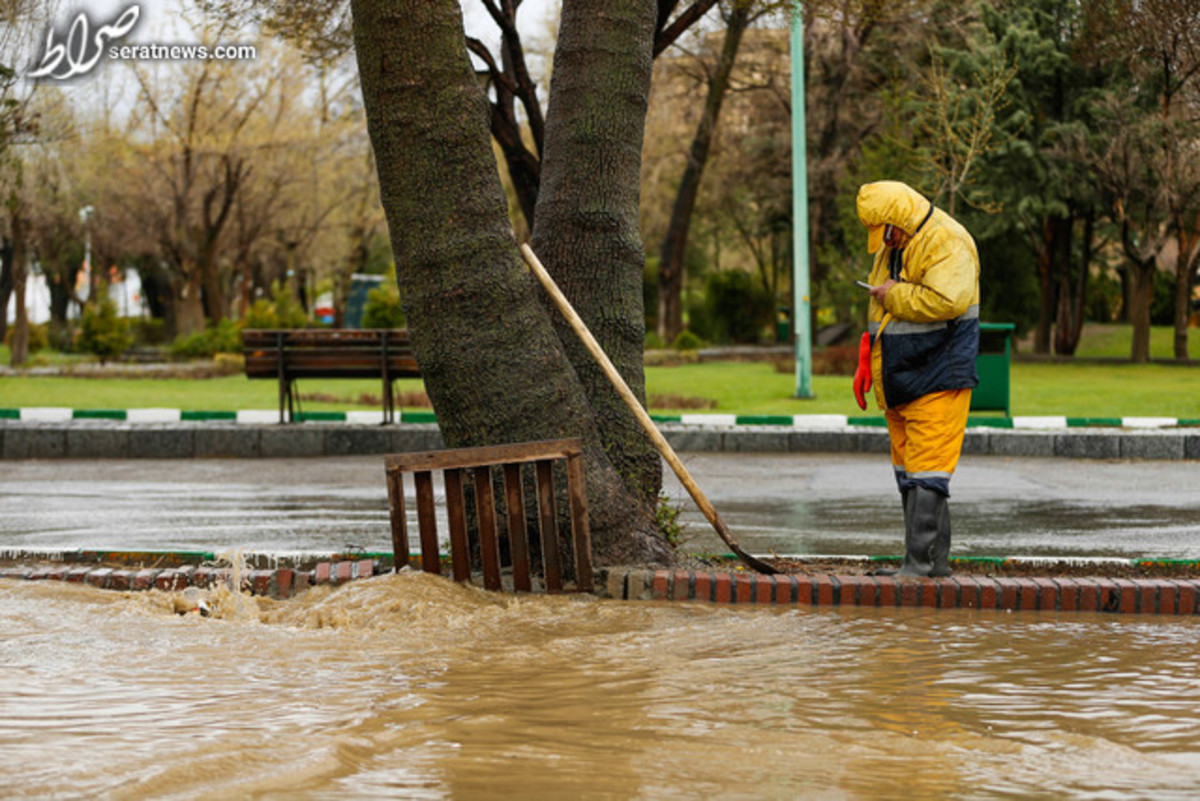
{"x": 926, "y": 334}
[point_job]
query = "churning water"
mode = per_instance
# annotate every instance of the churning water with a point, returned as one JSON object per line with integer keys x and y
{"x": 410, "y": 686}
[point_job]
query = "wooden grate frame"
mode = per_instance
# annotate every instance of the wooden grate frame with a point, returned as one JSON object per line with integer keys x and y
{"x": 455, "y": 466}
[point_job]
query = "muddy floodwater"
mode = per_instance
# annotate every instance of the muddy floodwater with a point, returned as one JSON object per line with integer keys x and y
{"x": 411, "y": 687}
{"x": 408, "y": 686}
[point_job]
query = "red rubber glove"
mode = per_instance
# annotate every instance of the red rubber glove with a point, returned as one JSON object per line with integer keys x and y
{"x": 862, "y": 376}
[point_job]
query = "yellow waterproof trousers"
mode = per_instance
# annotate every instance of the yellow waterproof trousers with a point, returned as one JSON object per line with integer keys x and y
{"x": 927, "y": 436}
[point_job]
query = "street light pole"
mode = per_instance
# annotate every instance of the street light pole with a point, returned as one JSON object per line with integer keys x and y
{"x": 801, "y": 306}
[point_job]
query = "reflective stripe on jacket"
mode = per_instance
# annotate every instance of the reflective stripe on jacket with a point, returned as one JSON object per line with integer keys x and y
{"x": 926, "y": 337}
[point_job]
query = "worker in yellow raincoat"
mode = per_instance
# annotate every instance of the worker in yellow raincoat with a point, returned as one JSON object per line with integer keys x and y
{"x": 923, "y": 338}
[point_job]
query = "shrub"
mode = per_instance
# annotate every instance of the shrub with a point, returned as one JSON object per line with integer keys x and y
{"x": 382, "y": 309}
{"x": 101, "y": 331}
{"x": 229, "y": 363}
{"x": 698, "y": 316}
{"x": 654, "y": 341}
{"x": 39, "y": 336}
{"x": 835, "y": 360}
{"x": 687, "y": 341}
{"x": 1162, "y": 304}
{"x": 63, "y": 337}
{"x": 148, "y": 331}
{"x": 224, "y": 337}
{"x": 739, "y": 310}
{"x": 281, "y": 311}
{"x": 1104, "y": 298}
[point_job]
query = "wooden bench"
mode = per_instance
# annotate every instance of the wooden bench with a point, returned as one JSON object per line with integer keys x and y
{"x": 329, "y": 353}
{"x": 470, "y": 470}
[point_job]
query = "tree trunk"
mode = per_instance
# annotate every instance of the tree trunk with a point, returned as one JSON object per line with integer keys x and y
{"x": 670, "y": 267}
{"x": 1185, "y": 266}
{"x": 493, "y": 366}
{"x": 1081, "y": 285}
{"x": 189, "y": 306}
{"x": 1072, "y": 285}
{"x": 20, "y": 271}
{"x": 6, "y": 283}
{"x": 159, "y": 294}
{"x": 216, "y": 307}
{"x": 1045, "y": 268}
{"x": 586, "y": 232}
{"x": 1141, "y": 292}
{"x": 1063, "y": 318}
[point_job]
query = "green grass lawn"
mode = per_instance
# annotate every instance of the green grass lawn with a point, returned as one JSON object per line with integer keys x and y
{"x": 1113, "y": 342}
{"x": 226, "y": 393}
{"x": 1074, "y": 390}
{"x": 748, "y": 388}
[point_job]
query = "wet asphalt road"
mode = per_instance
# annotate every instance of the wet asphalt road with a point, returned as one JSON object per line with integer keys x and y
{"x": 786, "y": 503}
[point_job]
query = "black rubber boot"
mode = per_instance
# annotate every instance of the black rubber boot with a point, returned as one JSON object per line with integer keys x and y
{"x": 926, "y": 513}
{"x": 941, "y": 547}
{"x": 905, "y": 494}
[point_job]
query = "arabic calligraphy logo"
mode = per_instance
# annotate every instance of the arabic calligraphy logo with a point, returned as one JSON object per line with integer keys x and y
{"x": 81, "y": 51}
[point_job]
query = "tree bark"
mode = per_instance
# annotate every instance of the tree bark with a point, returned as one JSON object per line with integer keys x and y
{"x": 1185, "y": 268}
{"x": 670, "y": 267}
{"x": 1085, "y": 266}
{"x": 6, "y": 283}
{"x": 20, "y": 271}
{"x": 1045, "y": 268}
{"x": 1063, "y": 319}
{"x": 586, "y": 231}
{"x": 1141, "y": 293}
{"x": 1072, "y": 287}
{"x": 189, "y": 306}
{"x": 493, "y": 366}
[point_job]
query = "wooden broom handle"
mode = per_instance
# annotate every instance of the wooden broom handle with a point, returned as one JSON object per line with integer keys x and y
{"x": 660, "y": 442}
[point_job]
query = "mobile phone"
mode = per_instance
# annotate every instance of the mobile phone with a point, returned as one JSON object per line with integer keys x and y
{"x": 865, "y": 285}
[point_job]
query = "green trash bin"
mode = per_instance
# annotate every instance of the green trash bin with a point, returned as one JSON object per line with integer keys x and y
{"x": 992, "y": 364}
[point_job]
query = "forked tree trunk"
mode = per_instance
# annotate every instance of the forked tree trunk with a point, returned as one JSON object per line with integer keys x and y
{"x": 586, "y": 226}
{"x": 493, "y": 366}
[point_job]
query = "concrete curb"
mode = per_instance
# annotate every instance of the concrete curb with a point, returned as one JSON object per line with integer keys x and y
{"x": 1121, "y": 596}
{"x": 92, "y": 438}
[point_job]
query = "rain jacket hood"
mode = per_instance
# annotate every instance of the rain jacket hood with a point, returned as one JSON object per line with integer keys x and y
{"x": 892, "y": 202}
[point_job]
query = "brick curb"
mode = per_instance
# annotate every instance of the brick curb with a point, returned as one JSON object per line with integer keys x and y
{"x": 1121, "y": 596}
{"x": 278, "y": 583}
